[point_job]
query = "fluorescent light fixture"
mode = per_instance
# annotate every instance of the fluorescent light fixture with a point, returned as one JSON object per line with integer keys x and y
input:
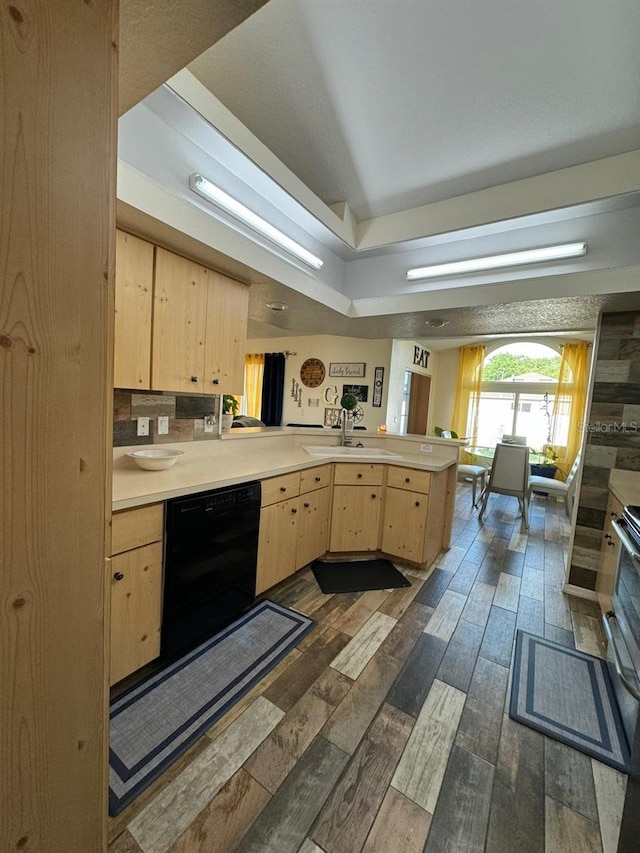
{"x": 212, "y": 193}
{"x": 513, "y": 259}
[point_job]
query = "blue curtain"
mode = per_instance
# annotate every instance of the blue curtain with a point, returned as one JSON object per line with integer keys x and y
{"x": 272, "y": 389}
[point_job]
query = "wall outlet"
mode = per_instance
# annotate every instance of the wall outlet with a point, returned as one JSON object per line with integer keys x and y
{"x": 163, "y": 425}
{"x": 426, "y": 448}
{"x": 143, "y": 426}
{"x": 209, "y": 423}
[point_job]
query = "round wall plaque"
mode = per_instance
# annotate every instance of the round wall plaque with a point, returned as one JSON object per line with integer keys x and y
{"x": 312, "y": 373}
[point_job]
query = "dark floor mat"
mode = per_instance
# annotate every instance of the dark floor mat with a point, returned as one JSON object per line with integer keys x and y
{"x": 358, "y": 576}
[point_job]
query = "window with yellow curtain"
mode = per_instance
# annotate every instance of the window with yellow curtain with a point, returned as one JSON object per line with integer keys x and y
{"x": 253, "y": 372}
{"x": 465, "y": 409}
{"x": 569, "y": 402}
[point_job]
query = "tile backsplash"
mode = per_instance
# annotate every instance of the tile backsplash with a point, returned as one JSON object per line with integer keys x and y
{"x": 186, "y": 415}
{"x": 613, "y": 436}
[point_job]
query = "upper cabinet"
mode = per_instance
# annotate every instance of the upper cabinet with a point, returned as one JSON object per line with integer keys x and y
{"x": 197, "y": 340}
{"x": 134, "y": 299}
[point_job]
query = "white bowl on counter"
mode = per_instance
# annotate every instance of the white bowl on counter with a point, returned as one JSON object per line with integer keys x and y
{"x": 156, "y": 458}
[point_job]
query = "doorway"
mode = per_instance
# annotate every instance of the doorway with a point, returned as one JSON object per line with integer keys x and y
{"x": 416, "y": 402}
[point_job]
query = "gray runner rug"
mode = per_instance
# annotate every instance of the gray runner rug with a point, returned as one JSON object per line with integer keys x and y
{"x": 567, "y": 695}
{"x": 156, "y": 721}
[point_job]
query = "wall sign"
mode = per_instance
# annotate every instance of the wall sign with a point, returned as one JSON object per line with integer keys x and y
{"x": 361, "y": 391}
{"x": 377, "y": 386}
{"x": 331, "y": 417}
{"x": 347, "y": 369}
{"x": 312, "y": 373}
{"x": 421, "y": 356}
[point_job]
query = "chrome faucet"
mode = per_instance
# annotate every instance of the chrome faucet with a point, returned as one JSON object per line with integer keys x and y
{"x": 346, "y": 439}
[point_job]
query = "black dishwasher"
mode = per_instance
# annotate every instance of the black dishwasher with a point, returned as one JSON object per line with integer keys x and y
{"x": 210, "y": 564}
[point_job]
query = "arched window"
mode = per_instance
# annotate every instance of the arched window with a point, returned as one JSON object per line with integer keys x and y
{"x": 519, "y": 384}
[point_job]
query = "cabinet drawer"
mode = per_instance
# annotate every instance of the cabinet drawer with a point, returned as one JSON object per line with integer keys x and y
{"x": 358, "y": 474}
{"x": 409, "y": 479}
{"x": 280, "y": 488}
{"x": 315, "y": 478}
{"x": 132, "y": 528}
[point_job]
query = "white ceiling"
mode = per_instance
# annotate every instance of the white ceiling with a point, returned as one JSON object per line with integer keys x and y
{"x": 437, "y": 130}
{"x": 390, "y": 105}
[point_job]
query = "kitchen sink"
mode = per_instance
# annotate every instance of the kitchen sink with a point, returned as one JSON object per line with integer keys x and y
{"x": 351, "y": 452}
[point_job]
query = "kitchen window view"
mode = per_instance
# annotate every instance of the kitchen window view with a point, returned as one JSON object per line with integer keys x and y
{"x": 519, "y": 382}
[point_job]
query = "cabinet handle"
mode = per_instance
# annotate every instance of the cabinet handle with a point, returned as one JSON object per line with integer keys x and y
{"x": 417, "y": 503}
{"x": 317, "y": 479}
{"x": 359, "y": 476}
{"x": 283, "y": 488}
{"x": 407, "y": 479}
{"x": 612, "y": 513}
{"x": 306, "y": 506}
{"x": 216, "y": 381}
{"x": 293, "y": 510}
{"x": 613, "y": 544}
{"x": 373, "y": 496}
{"x": 194, "y": 379}
{"x": 118, "y": 576}
{"x": 607, "y": 536}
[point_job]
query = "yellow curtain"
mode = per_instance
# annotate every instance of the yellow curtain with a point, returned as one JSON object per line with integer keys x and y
{"x": 465, "y": 408}
{"x": 253, "y": 371}
{"x": 570, "y": 400}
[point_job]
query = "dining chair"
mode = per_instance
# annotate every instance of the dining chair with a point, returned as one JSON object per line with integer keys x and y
{"x": 509, "y": 476}
{"x": 558, "y": 488}
{"x": 474, "y": 473}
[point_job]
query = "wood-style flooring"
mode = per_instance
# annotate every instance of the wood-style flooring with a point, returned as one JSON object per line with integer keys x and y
{"x": 386, "y": 729}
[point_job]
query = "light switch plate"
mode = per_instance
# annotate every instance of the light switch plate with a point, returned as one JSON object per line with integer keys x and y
{"x": 143, "y": 426}
{"x": 209, "y": 423}
{"x": 163, "y": 425}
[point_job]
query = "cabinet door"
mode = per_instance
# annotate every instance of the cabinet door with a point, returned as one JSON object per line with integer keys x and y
{"x": 277, "y": 543}
{"x": 609, "y": 551}
{"x": 134, "y": 296}
{"x": 313, "y": 526}
{"x": 405, "y": 520}
{"x": 136, "y": 609}
{"x": 179, "y": 319}
{"x": 355, "y": 518}
{"x": 226, "y": 335}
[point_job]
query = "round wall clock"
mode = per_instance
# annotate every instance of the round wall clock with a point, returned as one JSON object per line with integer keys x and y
{"x": 312, "y": 373}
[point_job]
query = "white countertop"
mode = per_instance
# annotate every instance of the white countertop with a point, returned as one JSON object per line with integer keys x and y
{"x": 214, "y": 464}
{"x": 625, "y": 485}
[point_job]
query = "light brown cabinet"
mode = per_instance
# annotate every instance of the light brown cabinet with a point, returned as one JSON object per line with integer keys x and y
{"x": 134, "y": 301}
{"x": 357, "y": 506}
{"x": 294, "y": 523}
{"x": 199, "y": 328}
{"x": 609, "y": 551}
{"x": 414, "y": 514}
{"x": 136, "y": 589}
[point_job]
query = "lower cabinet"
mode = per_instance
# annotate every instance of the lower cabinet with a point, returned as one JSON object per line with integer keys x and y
{"x": 609, "y": 552}
{"x": 357, "y": 506}
{"x": 294, "y": 531}
{"x": 414, "y": 514}
{"x": 136, "y": 589}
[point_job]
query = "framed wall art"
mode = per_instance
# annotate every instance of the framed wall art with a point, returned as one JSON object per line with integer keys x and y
{"x": 378, "y": 381}
{"x": 331, "y": 417}
{"x": 361, "y": 391}
{"x": 347, "y": 369}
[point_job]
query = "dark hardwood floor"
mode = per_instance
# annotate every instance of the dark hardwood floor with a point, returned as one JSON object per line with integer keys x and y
{"x": 386, "y": 730}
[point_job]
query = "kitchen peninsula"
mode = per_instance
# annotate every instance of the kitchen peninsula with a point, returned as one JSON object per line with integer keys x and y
{"x": 393, "y": 496}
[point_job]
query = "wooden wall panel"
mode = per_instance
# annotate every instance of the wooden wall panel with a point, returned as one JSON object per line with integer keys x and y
{"x": 57, "y": 162}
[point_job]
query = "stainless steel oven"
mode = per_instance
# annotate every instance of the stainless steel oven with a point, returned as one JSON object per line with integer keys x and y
{"x": 622, "y": 623}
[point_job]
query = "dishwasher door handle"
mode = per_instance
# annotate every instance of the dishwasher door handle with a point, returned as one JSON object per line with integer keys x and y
{"x": 606, "y": 618}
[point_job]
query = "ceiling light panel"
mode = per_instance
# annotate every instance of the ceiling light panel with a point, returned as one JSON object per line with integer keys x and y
{"x": 512, "y": 259}
{"x": 210, "y": 192}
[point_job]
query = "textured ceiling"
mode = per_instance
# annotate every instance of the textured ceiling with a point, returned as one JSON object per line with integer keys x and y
{"x": 389, "y": 105}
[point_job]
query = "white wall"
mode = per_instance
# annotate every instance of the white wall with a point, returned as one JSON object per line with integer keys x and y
{"x": 401, "y": 360}
{"x": 329, "y": 348}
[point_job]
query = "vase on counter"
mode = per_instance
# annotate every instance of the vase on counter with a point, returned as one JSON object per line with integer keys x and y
{"x": 226, "y": 422}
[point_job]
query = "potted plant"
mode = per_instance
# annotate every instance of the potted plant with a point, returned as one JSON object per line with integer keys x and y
{"x": 230, "y": 408}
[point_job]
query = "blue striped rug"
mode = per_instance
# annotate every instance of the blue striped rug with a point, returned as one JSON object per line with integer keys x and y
{"x": 157, "y": 721}
{"x": 568, "y": 695}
